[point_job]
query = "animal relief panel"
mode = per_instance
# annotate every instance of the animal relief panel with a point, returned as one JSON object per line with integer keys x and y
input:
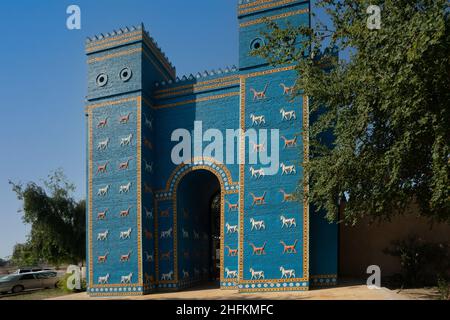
{"x": 113, "y": 211}
{"x": 193, "y": 179}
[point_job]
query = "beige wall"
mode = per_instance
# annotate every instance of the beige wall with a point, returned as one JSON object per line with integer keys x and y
{"x": 363, "y": 245}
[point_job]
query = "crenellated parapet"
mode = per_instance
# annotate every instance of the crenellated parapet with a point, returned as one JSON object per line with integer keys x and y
{"x": 126, "y": 36}
{"x": 201, "y": 82}
{"x": 198, "y": 77}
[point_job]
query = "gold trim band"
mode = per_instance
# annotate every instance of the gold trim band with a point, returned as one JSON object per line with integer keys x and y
{"x": 114, "y": 44}
{"x": 96, "y": 43}
{"x": 114, "y": 55}
{"x": 267, "y": 6}
{"x": 216, "y": 97}
{"x": 275, "y": 17}
{"x": 165, "y": 74}
{"x": 140, "y": 37}
{"x": 224, "y": 79}
{"x": 255, "y": 3}
{"x": 196, "y": 89}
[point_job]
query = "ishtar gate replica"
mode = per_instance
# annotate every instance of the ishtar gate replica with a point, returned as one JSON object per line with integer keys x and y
{"x": 154, "y": 225}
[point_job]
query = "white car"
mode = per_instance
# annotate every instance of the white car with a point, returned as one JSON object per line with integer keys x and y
{"x": 28, "y": 270}
{"x": 16, "y": 283}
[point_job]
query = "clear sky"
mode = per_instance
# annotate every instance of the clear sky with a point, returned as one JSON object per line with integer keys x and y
{"x": 43, "y": 79}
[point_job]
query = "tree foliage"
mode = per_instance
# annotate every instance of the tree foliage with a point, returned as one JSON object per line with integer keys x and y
{"x": 57, "y": 222}
{"x": 387, "y": 107}
{"x": 25, "y": 255}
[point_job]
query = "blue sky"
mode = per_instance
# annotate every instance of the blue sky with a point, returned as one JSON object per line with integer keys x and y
{"x": 43, "y": 79}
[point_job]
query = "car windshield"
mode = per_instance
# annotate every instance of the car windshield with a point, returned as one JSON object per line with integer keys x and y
{"x": 9, "y": 277}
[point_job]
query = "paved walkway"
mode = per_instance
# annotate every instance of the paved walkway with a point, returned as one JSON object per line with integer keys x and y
{"x": 347, "y": 292}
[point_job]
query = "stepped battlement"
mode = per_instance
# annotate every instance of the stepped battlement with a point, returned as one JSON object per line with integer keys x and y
{"x": 127, "y": 35}
{"x": 200, "y": 76}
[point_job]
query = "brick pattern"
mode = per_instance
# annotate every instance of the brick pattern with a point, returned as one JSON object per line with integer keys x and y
{"x": 144, "y": 231}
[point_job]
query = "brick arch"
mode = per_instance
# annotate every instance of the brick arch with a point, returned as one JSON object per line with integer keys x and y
{"x": 224, "y": 178}
{"x": 219, "y": 170}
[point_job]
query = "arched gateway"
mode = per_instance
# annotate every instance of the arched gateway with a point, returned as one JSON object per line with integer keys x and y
{"x": 189, "y": 192}
{"x": 155, "y": 225}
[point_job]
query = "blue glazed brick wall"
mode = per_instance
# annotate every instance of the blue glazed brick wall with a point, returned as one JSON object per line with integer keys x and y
{"x": 148, "y": 169}
{"x": 273, "y": 258}
{"x": 220, "y": 114}
{"x": 166, "y": 253}
{"x": 112, "y": 67}
{"x": 248, "y": 33}
{"x": 106, "y": 106}
{"x": 278, "y": 245}
{"x": 231, "y": 242}
{"x": 323, "y": 250}
{"x": 114, "y": 201}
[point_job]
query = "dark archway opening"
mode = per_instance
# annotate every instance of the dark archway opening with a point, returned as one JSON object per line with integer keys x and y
{"x": 198, "y": 228}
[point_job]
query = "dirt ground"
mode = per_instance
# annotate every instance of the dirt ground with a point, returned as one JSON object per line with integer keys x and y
{"x": 347, "y": 290}
{"x": 34, "y": 295}
{"x": 420, "y": 293}
{"x": 342, "y": 292}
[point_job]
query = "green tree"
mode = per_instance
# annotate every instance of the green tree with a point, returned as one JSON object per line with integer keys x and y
{"x": 3, "y": 262}
{"x": 387, "y": 106}
{"x": 24, "y": 255}
{"x": 57, "y": 222}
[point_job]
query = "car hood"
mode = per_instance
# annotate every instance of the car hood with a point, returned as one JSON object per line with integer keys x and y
{"x": 4, "y": 281}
